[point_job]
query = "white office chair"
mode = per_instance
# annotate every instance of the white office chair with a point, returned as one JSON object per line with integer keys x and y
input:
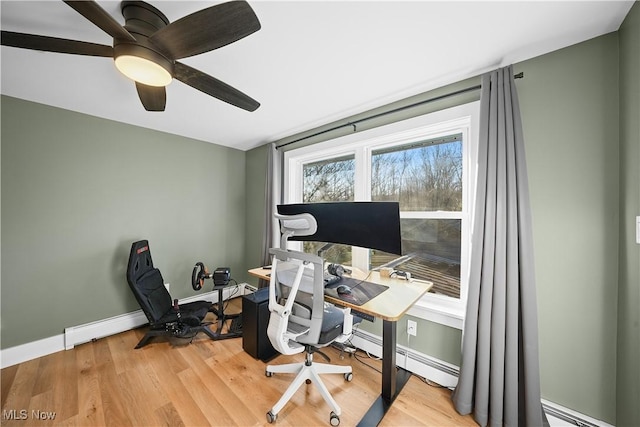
{"x": 300, "y": 320}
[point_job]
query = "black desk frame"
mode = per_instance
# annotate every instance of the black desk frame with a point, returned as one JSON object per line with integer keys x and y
{"x": 393, "y": 378}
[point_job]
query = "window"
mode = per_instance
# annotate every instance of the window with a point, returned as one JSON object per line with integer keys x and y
{"x": 426, "y": 164}
{"x": 425, "y": 177}
{"x": 329, "y": 181}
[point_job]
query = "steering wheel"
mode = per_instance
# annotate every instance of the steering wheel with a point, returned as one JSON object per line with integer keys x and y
{"x": 200, "y": 272}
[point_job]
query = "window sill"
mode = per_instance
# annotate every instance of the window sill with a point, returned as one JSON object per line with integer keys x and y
{"x": 437, "y": 313}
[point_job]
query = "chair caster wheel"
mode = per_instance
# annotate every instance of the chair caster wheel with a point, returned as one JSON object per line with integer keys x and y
{"x": 348, "y": 376}
{"x": 271, "y": 418}
{"x": 268, "y": 374}
{"x": 334, "y": 420}
{"x": 307, "y": 381}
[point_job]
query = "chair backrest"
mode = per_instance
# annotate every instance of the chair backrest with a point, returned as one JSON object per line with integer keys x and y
{"x": 147, "y": 283}
{"x": 296, "y": 293}
{"x": 296, "y": 225}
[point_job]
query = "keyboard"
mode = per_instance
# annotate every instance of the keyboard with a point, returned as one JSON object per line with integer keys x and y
{"x": 362, "y": 315}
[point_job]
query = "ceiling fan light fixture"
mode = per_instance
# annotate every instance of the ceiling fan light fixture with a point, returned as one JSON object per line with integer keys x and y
{"x": 147, "y": 48}
{"x": 142, "y": 65}
{"x": 143, "y": 70}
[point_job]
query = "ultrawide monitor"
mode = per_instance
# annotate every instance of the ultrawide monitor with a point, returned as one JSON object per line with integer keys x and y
{"x": 372, "y": 225}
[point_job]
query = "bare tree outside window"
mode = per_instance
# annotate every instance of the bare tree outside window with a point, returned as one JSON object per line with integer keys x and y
{"x": 423, "y": 177}
{"x": 329, "y": 181}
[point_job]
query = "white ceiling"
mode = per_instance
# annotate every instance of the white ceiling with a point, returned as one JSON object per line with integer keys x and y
{"x": 312, "y": 62}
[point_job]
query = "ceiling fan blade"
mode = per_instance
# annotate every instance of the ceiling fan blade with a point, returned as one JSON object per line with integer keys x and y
{"x": 98, "y": 16}
{"x": 214, "y": 87}
{"x": 153, "y": 98}
{"x": 207, "y": 29}
{"x": 54, "y": 44}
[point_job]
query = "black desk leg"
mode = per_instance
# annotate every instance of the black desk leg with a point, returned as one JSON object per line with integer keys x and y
{"x": 389, "y": 339}
{"x": 393, "y": 378}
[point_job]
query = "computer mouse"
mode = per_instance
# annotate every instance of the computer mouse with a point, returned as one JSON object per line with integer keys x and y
{"x": 343, "y": 290}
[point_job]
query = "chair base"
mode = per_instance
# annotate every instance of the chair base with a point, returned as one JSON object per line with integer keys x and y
{"x": 307, "y": 371}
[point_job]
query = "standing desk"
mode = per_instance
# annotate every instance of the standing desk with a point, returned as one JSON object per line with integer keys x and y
{"x": 389, "y": 306}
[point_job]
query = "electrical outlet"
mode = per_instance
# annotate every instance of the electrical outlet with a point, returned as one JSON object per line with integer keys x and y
{"x": 412, "y": 328}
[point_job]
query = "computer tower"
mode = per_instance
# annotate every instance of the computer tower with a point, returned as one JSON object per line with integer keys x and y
{"x": 255, "y": 319}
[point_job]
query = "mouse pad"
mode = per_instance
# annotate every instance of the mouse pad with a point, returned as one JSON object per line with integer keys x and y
{"x": 361, "y": 292}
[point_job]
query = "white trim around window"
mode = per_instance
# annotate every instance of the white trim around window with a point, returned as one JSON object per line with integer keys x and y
{"x": 461, "y": 119}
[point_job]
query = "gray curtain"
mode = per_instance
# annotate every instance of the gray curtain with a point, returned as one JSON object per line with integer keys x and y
{"x": 499, "y": 376}
{"x": 272, "y": 190}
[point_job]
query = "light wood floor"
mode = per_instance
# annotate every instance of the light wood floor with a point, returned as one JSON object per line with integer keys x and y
{"x": 204, "y": 383}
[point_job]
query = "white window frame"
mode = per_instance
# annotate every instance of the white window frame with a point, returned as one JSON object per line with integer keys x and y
{"x": 461, "y": 119}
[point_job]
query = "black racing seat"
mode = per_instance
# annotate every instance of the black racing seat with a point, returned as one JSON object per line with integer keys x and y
{"x": 166, "y": 317}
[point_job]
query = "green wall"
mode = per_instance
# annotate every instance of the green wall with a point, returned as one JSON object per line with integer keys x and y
{"x": 78, "y": 190}
{"x": 569, "y": 103}
{"x": 256, "y": 162}
{"x": 573, "y": 104}
{"x": 628, "y": 350}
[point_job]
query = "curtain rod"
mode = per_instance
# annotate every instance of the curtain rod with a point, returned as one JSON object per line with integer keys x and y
{"x": 353, "y": 123}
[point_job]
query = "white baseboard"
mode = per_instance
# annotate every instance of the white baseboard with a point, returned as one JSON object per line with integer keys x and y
{"x": 559, "y": 416}
{"x": 75, "y": 335}
{"x": 248, "y": 289}
{"x": 31, "y": 350}
{"x": 102, "y": 328}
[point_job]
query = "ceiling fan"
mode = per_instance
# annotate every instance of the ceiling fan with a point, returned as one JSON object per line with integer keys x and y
{"x": 147, "y": 47}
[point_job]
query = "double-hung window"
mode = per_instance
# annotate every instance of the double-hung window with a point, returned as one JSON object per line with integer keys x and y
{"x": 427, "y": 164}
